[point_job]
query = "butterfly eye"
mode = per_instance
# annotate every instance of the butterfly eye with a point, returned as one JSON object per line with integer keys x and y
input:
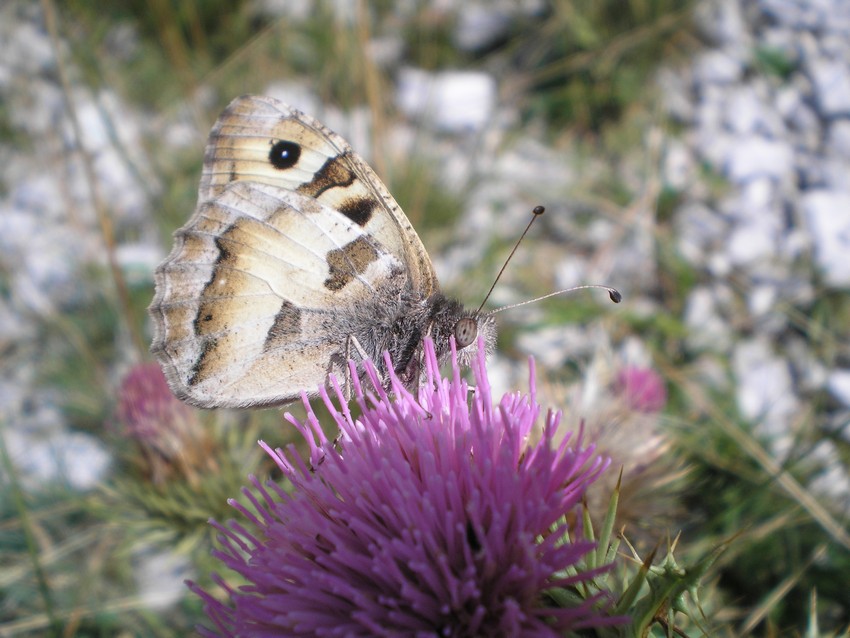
{"x": 284, "y": 154}
{"x": 466, "y": 330}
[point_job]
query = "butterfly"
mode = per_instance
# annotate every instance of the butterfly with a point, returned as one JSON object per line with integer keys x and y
{"x": 296, "y": 260}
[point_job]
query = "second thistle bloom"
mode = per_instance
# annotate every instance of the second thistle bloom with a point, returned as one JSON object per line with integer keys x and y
{"x": 440, "y": 516}
{"x": 170, "y": 437}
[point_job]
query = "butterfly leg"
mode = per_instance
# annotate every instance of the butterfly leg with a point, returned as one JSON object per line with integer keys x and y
{"x": 354, "y": 351}
{"x": 383, "y": 375}
{"x": 347, "y": 386}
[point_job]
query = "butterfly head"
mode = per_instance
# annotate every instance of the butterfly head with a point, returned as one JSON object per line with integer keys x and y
{"x": 467, "y": 328}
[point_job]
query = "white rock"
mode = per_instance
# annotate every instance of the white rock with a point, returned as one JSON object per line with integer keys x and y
{"x": 634, "y": 352}
{"x": 787, "y": 100}
{"x": 791, "y": 13}
{"x": 714, "y": 145}
{"x": 834, "y": 171}
{"x": 829, "y": 16}
{"x": 717, "y": 67}
{"x": 698, "y": 230}
{"x": 811, "y": 171}
{"x": 810, "y": 373}
{"x": 723, "y": 21}
{"x": 528, "y": 160}
{"x": 751, "y": 242}
{"x": 781, "y": 41}
{"x": 83, "y": 459}
{"x": 838, "y": 138}
{"x": 122, "y": 42}
{"x": 744, "y": 111}
{"x": 295, "y": 94}
{"x": 712, "y": 372}
{"x": 454, "y": 101}
{"x": 126, "y": 198}
{"x": 139, "y": 260}
{"x": 95, "y": 129}
{"x": 555, "y": 345}
{"x": 838, "y": 384}
{"x": 300, "y": 10}
{"x": 803, "y": 122}
{"x": 755, "y": 156}
{"x": 27, "y": 48}
{"x": 480, "y": 25}
{"x": 795, "y": 245}
{"x": 827, "y": 214}
{"x": 636, "y": 259}
{"x": 14, "y": 330}
{"x": 293, "y": 10}
{"x": 38, "y": 111}
{"x": 34, "y": 198}
{"x": 707, "y": 329}
{"x": 765, "y": 389}
{"x": 386, "y": 51}
{"x": 181, "y": 133}
{"x": 719, "y": 264}
{"x": 679, "y": 167}
{"x": 160, "y": 576}
{"x": 675, "y": 93}
{"x": 757, "y": 198}
{"x": 41, "y": 260}
{"x": 570, "y": 271}
{"x": 761, "y": 298}
{"x": 72, "y": 458}
{"x": 833, "y": 482}
{"x": 831, "y": 79}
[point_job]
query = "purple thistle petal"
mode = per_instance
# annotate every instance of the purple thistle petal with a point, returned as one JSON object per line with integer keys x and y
{"x": 642, "y": 388}
{"x": 439, "y": 518}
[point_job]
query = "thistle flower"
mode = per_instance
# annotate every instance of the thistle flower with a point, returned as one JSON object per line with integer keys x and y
{"x": 620, "y": 399}
{"x": 174, "y": 476}
{"x": 433, "y": 515}
{"x": 642, "y": 388}
{"x": 168, "y": 433}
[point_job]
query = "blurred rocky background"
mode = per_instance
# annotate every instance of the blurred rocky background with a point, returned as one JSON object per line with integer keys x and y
{"x": 694, "y": 154}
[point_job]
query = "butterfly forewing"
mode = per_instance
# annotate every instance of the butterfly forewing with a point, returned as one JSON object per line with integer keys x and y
{"x": 326, "y": 169}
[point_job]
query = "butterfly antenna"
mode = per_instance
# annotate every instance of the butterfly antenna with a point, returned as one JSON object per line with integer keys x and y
{"x": 613, "y": 293}
{"x": 536, "y": 212}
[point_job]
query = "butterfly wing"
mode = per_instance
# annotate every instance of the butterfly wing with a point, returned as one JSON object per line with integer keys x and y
{"x": 252, "y": 128}
{"x": 256, "y": 300}
{"x": 294, "y": 247}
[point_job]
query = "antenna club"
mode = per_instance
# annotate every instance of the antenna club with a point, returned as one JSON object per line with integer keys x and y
{"x": 538, "y": 210}
{"x": 613, "y": 293}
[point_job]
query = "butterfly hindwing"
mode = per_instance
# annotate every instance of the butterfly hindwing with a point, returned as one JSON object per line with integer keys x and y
{"x": 246, "y": 298}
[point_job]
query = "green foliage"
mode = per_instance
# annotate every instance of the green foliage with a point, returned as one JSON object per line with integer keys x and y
{"x": 429, "y": 43}
{"x": 774, "y": 61}
{"x": 589, "y": 61}
{"x": 419, "y": 189}
{"x": 650, "y": 598}
{"x": 175, "y": 512}
{"x": 776, "y": 540}
{"x": 82, "y": 343}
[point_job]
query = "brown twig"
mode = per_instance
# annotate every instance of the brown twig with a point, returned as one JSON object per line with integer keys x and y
{"x": 103, "y": 218}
